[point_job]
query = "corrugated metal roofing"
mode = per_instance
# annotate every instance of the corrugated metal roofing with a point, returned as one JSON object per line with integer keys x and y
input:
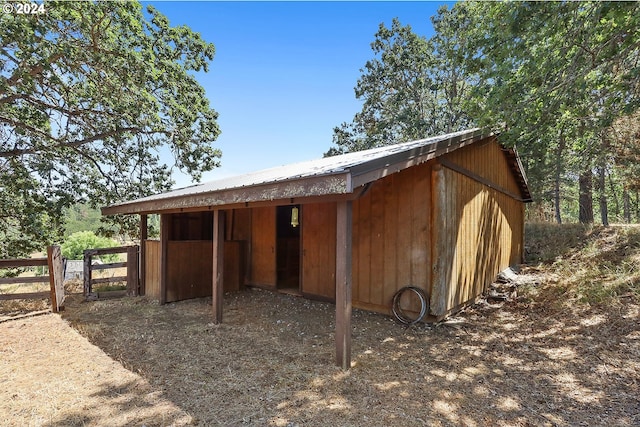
{"x": 202, "y": 194}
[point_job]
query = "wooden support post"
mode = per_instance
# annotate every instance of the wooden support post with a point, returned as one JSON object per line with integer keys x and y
{"x": 144, "y": 235}
{"x": 56, "y": 278}
{"x": 165, "y": 223}
{"x": 218, "y": 263}
{"x": 343, "y": 284}
{"x": 86, "y": 274}
{"x": 132, "y": 271}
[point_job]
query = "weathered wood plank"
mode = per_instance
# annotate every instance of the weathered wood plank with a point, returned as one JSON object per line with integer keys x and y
{"x": 26, "y": 295}
{"x": 142, "y": 266}
{"x": 23, "y": 262}
{"x": 218, "y": 265}
{"x": 343, "y": 284}
{"x": 95, "y": 267}
{"x": 132, "y": 271}
{"x": 24, "y": 280}
{"x": 56, "y": 276}
{"x": 439, "y": 243}
{"x": 355, "y": 242}
{"x": 151, "y": 267}
{"x": 165, "y": 230}
{"x": 86, "y": 275}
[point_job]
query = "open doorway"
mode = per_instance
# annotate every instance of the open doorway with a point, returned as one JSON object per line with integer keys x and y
{"x": 288, "y": 247}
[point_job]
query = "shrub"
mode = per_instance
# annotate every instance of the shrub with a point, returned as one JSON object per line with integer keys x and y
{"x": 74, "y": 245}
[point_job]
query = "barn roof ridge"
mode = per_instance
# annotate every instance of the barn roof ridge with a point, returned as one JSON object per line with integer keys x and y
{"x": 334, "y": 175}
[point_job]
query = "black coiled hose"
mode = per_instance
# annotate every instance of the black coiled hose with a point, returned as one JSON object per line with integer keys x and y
{"x": 400, "y": 314}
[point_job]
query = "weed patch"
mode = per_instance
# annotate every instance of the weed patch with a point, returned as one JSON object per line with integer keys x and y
{"x": 585, "y": 265}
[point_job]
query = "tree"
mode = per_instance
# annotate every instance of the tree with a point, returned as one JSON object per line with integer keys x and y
{"x": 549, "y": 66}
{"x": 75, "y": 245}
{"x": 411, "y": 88}
{"x": 90, "y": 92}
{"x": 81, "y": 217}
{"x": 626, "y": 151}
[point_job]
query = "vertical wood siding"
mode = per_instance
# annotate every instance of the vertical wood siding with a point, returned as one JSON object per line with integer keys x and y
{"x": 486, "y": 159}
{"x": 263, "y": 246}
{"x": 391, "y": 227}
{"x": 152, "y": 269}
{"x": 189, "y": 269}
{"x": 426, "y": 226}
{"x": 477, "y": 230}
{"x": 319, "y": 249}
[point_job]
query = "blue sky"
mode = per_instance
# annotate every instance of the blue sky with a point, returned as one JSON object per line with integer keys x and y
{"x": 284, "y": 72}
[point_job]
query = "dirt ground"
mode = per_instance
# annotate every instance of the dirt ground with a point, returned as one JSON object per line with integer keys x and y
{"x": 132, "y": 362}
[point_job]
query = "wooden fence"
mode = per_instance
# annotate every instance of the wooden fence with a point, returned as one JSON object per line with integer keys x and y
{"x": 132, "y": 277}
{"x": 53, "y": 261}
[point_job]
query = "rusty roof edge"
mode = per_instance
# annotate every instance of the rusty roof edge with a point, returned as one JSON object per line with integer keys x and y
{"x": 331, "y": 183}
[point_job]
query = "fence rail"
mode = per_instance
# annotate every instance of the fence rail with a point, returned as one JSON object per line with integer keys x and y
{"x": 53, "y": 261}
{"x": 132, "y": 277}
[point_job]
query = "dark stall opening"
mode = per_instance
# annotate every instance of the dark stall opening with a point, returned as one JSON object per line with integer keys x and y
{"x": 288, "y": 225}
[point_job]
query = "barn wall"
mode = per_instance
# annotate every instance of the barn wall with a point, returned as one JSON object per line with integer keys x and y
{"x": 486, "y": 159}
{"x": 152, "y": 269}
{"x": 319, "y": 250}
{"x": 391, "y": 228}
{"x": 189, "y": 263}
{"x": 428, "y": 226}
{"x": 189, "y": 269}
{"x": 478, "y": 230}
{"x": 262, "y": 263}
{"x": 238, "y": 224}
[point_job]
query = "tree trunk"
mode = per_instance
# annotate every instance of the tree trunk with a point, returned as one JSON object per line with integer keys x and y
{"x": 558, "y": 174}
{"x": 626, "y": 205}
{"x": 556, "y": 200}
{"x": 614, "y": 196}
{"x": 602, "y": 195}
{"x": 586, "y": 197}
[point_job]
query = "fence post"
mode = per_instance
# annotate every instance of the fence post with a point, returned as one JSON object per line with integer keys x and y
{"x": 86, "y": 273}
{"x": 132, "y": 271}
{"x": 56, "y": 278}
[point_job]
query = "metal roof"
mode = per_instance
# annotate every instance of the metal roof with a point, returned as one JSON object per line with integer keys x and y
{"x": 335, "y": 175}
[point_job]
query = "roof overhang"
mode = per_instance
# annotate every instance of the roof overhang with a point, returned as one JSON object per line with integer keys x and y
{"x": 325, "y": 179}
{"x": 267, "y": 193}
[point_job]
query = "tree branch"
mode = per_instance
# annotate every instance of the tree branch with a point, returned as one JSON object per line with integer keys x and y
{"x": 61, "y": 144}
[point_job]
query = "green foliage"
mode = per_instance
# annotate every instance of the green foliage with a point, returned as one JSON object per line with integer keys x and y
{"x": 555, "y": 71}
{"x": 81, "y": 217}
{"x": 555, "y": 79}
{"x": 90, "y": 92}
{"x": 411, "y": 88}
{"x": 75, "y": 245}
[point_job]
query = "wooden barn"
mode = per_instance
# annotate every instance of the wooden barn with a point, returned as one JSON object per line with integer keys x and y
{"x": 444, "y": 214}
